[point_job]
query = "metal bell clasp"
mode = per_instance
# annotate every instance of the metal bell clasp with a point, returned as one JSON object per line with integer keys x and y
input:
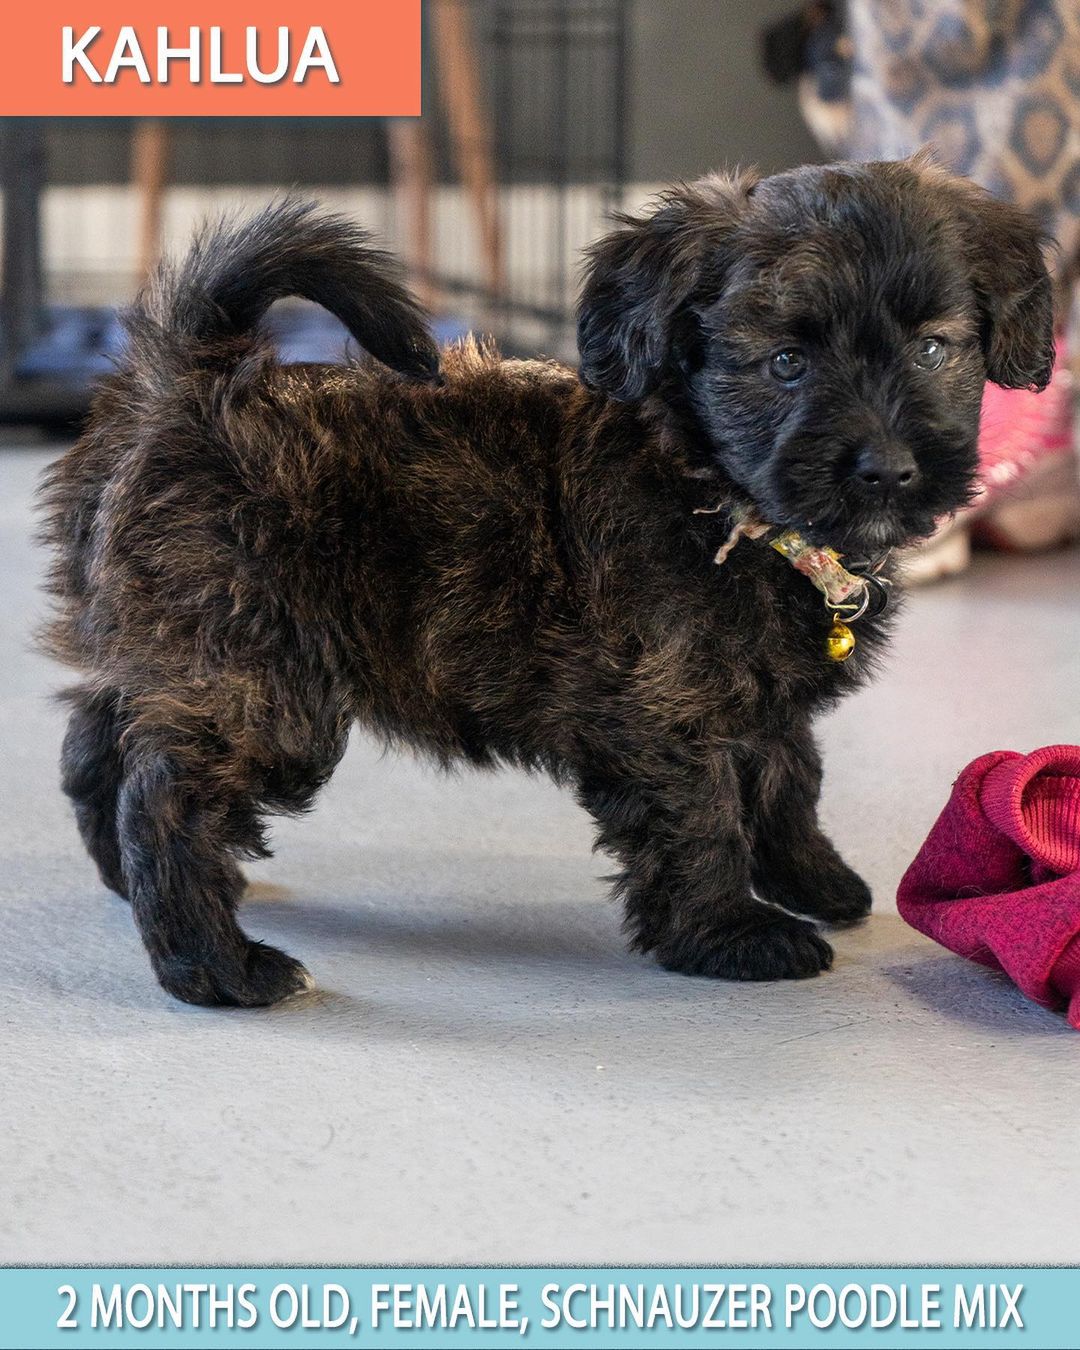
{"x": 840, "y": 642}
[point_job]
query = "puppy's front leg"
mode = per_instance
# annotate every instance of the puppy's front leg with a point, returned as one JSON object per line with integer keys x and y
{"x": 793, "y": 863}
{"x": 677, "y": 830}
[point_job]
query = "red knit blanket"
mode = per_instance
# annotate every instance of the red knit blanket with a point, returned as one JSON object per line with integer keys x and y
{"x": 998, "y": 879}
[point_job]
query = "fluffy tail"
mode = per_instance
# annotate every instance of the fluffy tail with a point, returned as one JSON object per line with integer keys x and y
{"x": 236, "y": 270}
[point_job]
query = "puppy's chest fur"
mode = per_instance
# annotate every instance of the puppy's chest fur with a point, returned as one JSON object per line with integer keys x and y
{"x": 754, "y": 628}
{"x": 784, "y": 620}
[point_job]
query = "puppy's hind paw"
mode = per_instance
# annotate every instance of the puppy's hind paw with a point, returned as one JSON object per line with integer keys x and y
{"x": 763, "y": 944}
{"x": 254, "y": 977}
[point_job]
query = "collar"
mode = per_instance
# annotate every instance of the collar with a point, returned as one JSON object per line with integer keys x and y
{"x": 848, "y": 595}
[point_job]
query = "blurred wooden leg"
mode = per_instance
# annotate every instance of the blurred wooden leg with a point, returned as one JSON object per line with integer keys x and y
{"x": 470, "y": 134}
{"x": 411, "y": 174}
{"x": 149, "y": 172}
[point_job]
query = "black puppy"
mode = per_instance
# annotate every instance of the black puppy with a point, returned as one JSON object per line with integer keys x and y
{"x": 503, "y": 563}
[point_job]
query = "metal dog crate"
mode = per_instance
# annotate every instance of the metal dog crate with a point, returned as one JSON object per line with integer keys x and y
{"x": 555, "y": 88}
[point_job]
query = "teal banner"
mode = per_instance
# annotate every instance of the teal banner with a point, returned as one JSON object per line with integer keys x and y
{"x": 549, "y": 1307}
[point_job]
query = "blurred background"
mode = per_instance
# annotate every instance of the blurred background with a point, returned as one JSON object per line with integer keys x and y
{"x": 540, "y": 118}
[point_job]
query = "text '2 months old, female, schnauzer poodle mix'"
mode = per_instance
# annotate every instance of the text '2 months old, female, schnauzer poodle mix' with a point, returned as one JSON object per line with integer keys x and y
{"x": 506, "y": 562}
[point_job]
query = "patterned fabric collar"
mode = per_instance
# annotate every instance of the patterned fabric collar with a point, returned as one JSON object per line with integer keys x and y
{"x": 848, "y": 595}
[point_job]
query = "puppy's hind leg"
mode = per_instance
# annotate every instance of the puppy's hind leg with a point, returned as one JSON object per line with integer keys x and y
{"x": 189, "y": 803}
{"x": 794, "y": 862}
{"x": 91, "y": 770}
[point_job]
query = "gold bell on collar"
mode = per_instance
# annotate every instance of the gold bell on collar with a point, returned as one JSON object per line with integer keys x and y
{"x": 822, "y": 566}
{"x": 840, "y": 642}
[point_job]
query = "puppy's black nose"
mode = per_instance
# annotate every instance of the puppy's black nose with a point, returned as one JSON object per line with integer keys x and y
{"x": 886, "y": 468}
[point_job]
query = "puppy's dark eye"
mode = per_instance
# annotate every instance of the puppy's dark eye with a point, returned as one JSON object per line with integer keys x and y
{"x": 930, "y": 354}
{"x": 788, "y": 366}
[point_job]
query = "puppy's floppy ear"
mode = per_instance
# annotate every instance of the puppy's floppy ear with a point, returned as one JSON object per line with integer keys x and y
{"x": 640, "y": 279}
{"x": 1008, "y": 274}
{"x": 1014, "y": 293}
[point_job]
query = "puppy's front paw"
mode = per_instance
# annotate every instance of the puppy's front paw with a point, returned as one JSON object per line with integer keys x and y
{"x": 845, "y": 899}
{"x": 762, "y": 944}
{"x": 252, "y": 977}
{"x": 834, "y": 894}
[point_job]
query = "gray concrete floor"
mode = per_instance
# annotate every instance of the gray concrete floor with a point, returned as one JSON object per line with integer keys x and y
{"x": 485, "y": 1075}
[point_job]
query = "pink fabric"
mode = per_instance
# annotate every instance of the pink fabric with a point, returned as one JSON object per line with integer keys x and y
{"x": 1019, "y": 429}
{"x": 998, "y": 879}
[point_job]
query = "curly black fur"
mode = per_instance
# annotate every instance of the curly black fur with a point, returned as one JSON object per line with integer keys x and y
{"x": 497, "y": 561}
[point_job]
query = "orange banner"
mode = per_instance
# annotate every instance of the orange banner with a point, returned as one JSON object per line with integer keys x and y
{"x": 197, "y": 58}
